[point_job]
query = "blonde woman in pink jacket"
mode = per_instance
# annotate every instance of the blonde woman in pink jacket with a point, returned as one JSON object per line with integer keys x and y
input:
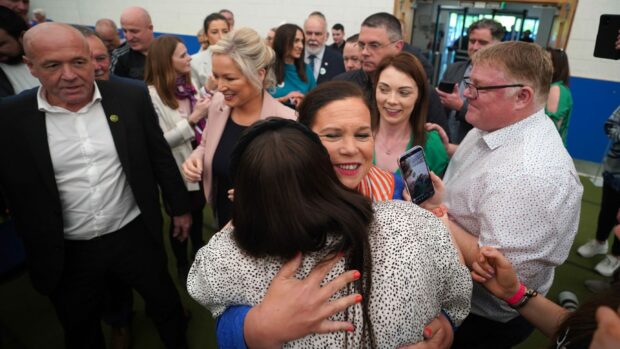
{"x": 242, "y": 69}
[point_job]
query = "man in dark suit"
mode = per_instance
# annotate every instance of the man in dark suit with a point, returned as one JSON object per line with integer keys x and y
{"x": 480, "y": 34}
{"x": 82, "y": 162}
{"x": 381, "y": 36}
{"x": 325, "y": 61}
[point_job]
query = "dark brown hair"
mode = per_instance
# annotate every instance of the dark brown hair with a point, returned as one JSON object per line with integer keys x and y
{"x": 288, "y": 199}
{"x": 409, "y": 65}
{"x": 561, "y": 70}
{"x": 159, "y": 71}
{"x": 578, "y": 328}
{"x": 325, "y": 94}
{"x": 283, "y": 42}
{"x": 211, "y": 18}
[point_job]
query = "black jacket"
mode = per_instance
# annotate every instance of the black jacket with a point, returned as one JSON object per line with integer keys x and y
{"x": 27, "y": 176}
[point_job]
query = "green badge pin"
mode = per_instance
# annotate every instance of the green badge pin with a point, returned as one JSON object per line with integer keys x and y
{"x": 114, "y": 118}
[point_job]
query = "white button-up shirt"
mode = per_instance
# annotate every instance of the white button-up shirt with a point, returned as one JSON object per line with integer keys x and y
{"x": 516, "y": 189}
{"x": 94, "y": 193}
{"x": 317, "y": 61}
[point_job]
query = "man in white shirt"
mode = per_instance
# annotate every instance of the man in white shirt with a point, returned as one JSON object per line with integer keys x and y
{"x": 511, "y": 185}
{"x": 86, "y": 162}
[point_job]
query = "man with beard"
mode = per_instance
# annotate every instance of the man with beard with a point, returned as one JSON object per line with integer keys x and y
{"x": 325, "y": 61}
{"x": 14, "y": 74}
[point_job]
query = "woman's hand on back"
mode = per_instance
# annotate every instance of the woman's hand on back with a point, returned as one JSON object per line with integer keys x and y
{"x": 294, "y": 308}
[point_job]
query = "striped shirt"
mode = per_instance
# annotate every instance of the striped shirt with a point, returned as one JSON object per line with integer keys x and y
{"x": 378, "y": 185}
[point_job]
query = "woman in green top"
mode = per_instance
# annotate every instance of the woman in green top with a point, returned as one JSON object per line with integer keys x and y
{"x": 401, "y": 94}
{"x": 560, "y": 100}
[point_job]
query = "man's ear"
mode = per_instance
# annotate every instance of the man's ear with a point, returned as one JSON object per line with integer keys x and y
{"x": 524, "y": 97}
{"x": 399, "y": 45}
{"x": 30, "y": 66}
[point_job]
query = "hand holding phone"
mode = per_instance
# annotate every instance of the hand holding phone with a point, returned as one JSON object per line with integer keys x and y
{"x": 415, "y": 173}
{"x": 446, "y": 86}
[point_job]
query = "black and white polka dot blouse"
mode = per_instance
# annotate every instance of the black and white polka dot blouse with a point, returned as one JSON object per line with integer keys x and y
{"x": 415, "y": 274}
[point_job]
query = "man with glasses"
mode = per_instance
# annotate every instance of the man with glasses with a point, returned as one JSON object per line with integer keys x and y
{"x": 326, "y": 62}
{"x": 512, "y": 185}
{"x": 480, "y": 34}
{"x": 380, "y": 36}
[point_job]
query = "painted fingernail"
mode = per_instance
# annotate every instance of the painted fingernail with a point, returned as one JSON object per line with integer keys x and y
{"x": 357, "y": 275}
{"x": 351, "y": 329}
{"x": 428, "y": 332}
{"x": 358, "y": 298}
{"x": 341, "y": 254}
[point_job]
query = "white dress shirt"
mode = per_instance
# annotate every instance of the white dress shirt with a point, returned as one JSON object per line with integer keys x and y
{"x": 19, "y": 76}
{"x": 317, "y": 61}
{"x": 94, "y": 193}
{"x": 516, "y": 189}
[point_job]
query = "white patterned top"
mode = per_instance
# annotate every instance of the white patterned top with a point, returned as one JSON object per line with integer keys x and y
{"x": 415, "y": 274}
{"x": 516, "y": 189}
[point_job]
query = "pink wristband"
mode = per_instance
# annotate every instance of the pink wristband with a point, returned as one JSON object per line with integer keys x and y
{"x": 517, "y": 296}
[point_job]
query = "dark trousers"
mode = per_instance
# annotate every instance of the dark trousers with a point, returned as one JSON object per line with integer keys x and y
{"x": 195, "y": 233}
{"x": 477, "y": 332}
{"x": 610, "y": 203}
{"x": 132, "y": 256}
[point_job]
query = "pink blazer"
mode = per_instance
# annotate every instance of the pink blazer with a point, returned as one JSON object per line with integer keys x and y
{"x": 219, "y": 113}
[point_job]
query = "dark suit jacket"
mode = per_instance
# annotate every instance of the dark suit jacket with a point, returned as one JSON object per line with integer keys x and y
{"x": 331, "y": 65}
{"x": 27, "y": 176}
{"x": 455, "y": 73}
{"x": 426, "y": 64}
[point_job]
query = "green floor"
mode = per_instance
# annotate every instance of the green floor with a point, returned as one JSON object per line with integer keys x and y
{"x": 27, "y": 319}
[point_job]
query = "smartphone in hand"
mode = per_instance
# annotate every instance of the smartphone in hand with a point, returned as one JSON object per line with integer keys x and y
{"x": 446, "y": 86}
{"x": 415, "y": 173}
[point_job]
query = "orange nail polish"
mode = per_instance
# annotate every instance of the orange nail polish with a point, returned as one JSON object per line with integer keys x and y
{"x": 357, "y": 275}
{"x": 358, "y": 298}
{"x": 428, "y": 332}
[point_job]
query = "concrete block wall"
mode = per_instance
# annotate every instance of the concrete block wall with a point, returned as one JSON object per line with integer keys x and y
{"x": 186, "y": 16}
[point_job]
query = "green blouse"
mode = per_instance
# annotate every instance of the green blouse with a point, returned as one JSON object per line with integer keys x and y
{"x": 434, "y": 152}
{"x": 562, "y": 114}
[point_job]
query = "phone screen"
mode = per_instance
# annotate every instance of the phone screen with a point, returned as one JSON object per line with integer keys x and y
{"x": 446, "y": 86}
{"x": 416, "y": 175}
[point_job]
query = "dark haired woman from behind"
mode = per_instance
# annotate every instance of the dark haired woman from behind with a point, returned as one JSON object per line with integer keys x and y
{"x": 294, "y": 79}
{"x": 560, "y": 101}
{"x": 288, "y": 200}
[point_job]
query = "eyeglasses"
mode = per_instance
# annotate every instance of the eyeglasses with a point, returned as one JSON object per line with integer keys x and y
{"x": 473, "y": 89}
{"x": 373, "y": 46}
